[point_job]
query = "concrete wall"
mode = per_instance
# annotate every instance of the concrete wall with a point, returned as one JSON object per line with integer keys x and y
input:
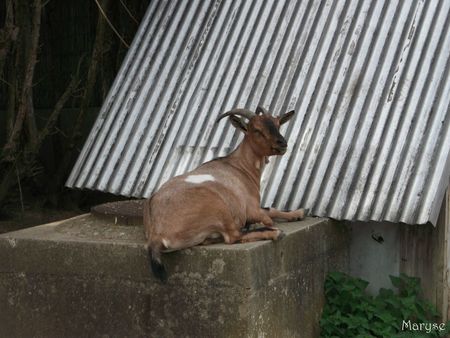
{"x": 88, "y": 277}
{"x": 378, "y": 250}
{"x": 374, "y": 253}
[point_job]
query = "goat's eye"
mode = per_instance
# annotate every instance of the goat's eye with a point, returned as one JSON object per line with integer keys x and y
{"x": 259, "y": 132}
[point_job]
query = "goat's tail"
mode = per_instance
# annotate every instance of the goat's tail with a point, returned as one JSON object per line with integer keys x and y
{"x": 158, "y": 269}
{"x": 153, "y": 247}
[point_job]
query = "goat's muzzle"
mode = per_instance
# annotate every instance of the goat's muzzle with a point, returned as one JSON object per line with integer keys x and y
{"x": 280, "y": 147}
{"x": 279, "y": 150}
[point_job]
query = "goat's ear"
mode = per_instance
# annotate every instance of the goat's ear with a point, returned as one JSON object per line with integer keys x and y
{"x": 238, "y": 123}
{"x": 286, "y": 117}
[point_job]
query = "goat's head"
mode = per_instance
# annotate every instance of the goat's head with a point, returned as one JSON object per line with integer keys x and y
{"x": 261, "y": 130}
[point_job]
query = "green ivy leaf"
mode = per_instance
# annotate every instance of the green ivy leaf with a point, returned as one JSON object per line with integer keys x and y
{"x": 396, "y": 281}
{"x": 350, "y": 312}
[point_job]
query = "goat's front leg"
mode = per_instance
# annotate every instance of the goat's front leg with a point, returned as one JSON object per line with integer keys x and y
{"x": 260, "y": 216}
{"x": 294, "y": 215}
{"x": 266, "y": 216}
{"x": 261, "y": 234}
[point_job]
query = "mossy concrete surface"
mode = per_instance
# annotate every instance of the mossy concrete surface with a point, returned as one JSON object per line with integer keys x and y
{"x": 86, "y": 277}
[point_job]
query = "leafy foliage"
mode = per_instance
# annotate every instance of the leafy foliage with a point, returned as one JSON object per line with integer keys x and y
{"x": 351, "y": 312}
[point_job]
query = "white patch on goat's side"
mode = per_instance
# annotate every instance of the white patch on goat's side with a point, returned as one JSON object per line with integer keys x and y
{"x": 197, "y": 179}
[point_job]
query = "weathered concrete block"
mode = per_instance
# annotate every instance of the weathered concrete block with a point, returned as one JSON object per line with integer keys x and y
{"x": 86, "y": 277}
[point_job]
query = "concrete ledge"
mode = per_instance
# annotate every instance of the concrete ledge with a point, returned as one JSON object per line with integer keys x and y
{"x": 88, "y": 277}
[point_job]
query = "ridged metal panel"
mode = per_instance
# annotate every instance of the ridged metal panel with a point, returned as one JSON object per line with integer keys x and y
{"x": 369, "y": 81}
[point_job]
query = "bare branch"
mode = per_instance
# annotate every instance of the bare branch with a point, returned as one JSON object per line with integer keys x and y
{"x": 5, "y": 82}
{"x": 72, "y": 87}
{"x": 91, "y": 77}
{"x": 111, "y": 25}
{"x": 129, "y": 12}
{"x": 20, "y": 188}
{"x": 30, "y": 118}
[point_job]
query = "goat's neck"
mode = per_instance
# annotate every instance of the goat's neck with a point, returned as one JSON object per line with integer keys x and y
{"x": 248, "y": 161}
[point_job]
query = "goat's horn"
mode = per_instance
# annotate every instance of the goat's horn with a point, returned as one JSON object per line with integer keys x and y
{"x": 241, "y": 112}
{"x": 261, "y": 110}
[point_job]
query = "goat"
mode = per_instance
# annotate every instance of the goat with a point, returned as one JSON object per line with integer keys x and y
{"x": 220, "y": 197}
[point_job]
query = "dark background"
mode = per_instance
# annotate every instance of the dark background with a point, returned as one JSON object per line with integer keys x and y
{"x": 58, "y": 60}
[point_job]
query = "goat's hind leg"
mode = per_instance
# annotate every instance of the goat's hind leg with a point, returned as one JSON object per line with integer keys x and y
{"x": 290, "y": 216}
{"x": 259, "y": 234}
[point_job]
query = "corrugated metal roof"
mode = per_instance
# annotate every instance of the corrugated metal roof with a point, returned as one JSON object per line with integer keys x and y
{"x": 369, "y": 81}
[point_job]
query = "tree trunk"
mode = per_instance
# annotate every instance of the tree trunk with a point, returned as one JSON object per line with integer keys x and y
{"x": 8, "y": 34}
{"x": 11, "y": 148}
{"x": 6, "y": 183}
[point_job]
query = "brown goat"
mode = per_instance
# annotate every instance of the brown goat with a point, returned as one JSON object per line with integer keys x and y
{"x": 221, "y": 197}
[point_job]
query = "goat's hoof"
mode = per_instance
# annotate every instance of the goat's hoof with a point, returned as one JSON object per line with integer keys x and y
{"x": 280, "y": 235}
{"x": 299, "y": 214}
